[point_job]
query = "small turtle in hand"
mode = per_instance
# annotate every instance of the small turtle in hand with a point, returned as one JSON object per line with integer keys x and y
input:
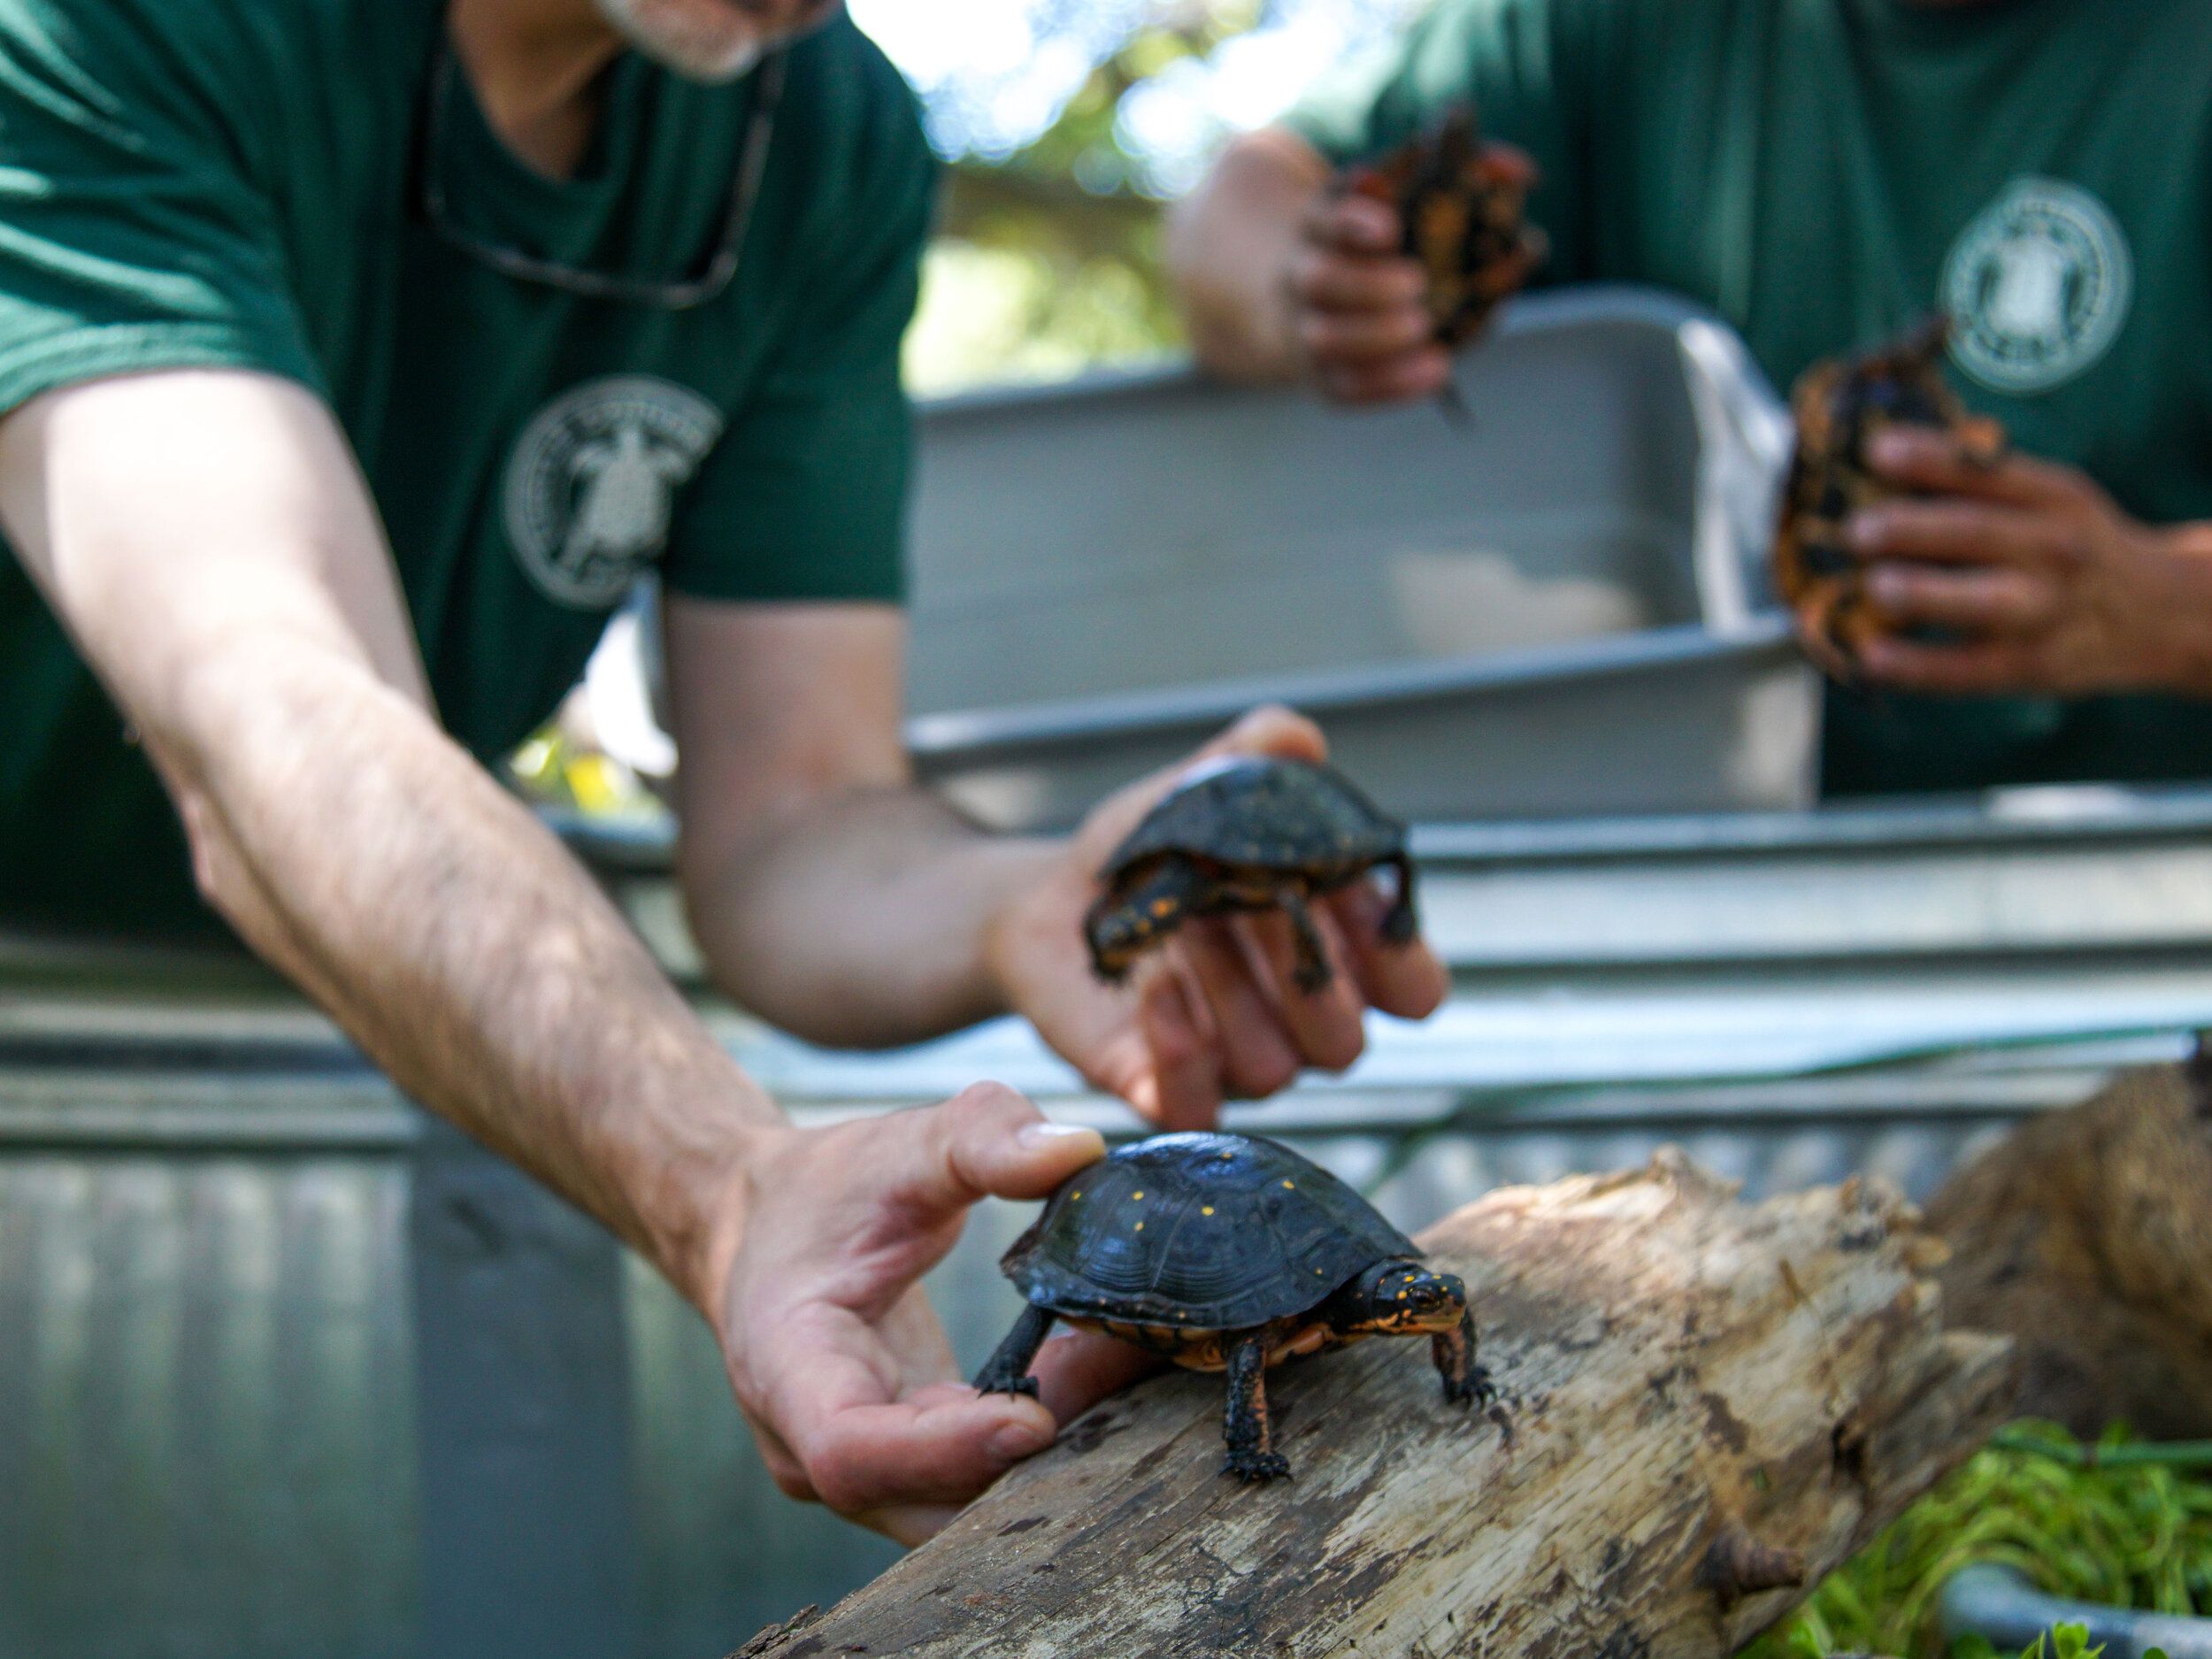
{"x": 1228, "y": 1253}
{"x": 1461, "y": 201}
{"x": 1840, "y": 405}
{"x": 1245, "y": 833}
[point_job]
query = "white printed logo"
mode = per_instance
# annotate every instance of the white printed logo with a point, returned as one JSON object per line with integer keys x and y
{"x": 593, "y": 480}
{"x": 2036, "y": 287}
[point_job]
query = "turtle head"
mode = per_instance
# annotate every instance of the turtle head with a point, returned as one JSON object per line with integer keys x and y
{"x": 1401, "y": 1298}
{"x": 1138, "y": 910}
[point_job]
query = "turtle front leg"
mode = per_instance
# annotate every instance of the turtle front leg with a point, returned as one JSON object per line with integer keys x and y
{"x": 1312, "y": 973}
{"x": 1244, "y": 1423}
{"x": 1465, "y": 1382}
{"x": 1398, "y": 922}
{"x": 1007, "y": 1370}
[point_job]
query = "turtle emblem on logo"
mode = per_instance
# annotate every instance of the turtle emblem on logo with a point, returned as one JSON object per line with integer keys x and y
{"x": 2036, "y": 287}
{"x": 592, "y": 483}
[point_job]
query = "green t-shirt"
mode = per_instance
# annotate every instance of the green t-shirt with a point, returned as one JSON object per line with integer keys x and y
{"x": 235, "y": 182}
{"x": 1824, "y": 173}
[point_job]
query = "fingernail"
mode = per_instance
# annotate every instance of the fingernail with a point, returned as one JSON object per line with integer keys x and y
{"x": 1892, "y": 446}
{"x": 1035, "y": 1137}
{"x": 1020, "y": 1440}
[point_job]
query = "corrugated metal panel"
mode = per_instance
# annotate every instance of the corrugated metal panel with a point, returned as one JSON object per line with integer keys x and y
{"x": 205, "y": 1408}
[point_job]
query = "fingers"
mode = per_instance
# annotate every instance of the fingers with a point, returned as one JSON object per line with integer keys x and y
{"x": 1179, "y": 1086}
{"x": 985, "y": 1141}
{"x": 1324, "y": 1026}
{"x": 1269, "y": 729}
{"x": 1956, "y": 532}
{"x": 1363, "y": 338}
{"x": 1373, "y": 287}
{"x": 1359, "y": 307}
{"x": 1934, "y": 461}
{"x": 1257, "y": 1055}
{"x": 2002, "y": 600}
{"x": 942, "y": 1444}
{"x": 1350, "y": 222}
{"x": 1421, "y": 373}
{"x": 1408, "y": 979}
{"x": 1075, "y": 1370}
{"x": 1911, "y": 666}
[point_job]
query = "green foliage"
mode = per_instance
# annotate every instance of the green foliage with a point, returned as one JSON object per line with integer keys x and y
{"x": 2131, "y": 1531}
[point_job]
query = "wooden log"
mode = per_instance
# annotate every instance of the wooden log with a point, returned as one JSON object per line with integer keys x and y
{"x": 2086, "y": 1234}
{"x": 1708, "y": 1405}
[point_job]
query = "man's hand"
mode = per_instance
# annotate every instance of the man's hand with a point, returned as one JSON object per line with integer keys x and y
{"x": 1358, "y": 322}
{"x": 1214, "y": 1013}
{"x": 2039, "y": 581}
{"x": 840, "y": 1364}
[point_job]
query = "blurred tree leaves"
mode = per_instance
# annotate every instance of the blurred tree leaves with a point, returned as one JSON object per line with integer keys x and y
{"x": 1049, "y": 258}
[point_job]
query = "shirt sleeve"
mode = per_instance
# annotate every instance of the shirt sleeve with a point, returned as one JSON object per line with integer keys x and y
{"x": 132, "y": 235}
{"x": 804, "y": 497}
{"x": 1525, "y": 64}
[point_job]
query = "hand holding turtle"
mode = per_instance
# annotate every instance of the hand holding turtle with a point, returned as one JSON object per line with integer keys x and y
{"x": 834, "y": 1354}
{"x": 2043, "y": 584}
{"x": 1357, "y": 307}
{"x": 1218, "y": 1013}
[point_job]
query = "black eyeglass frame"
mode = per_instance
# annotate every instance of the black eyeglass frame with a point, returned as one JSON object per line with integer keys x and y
{"x": 675, "y": 294}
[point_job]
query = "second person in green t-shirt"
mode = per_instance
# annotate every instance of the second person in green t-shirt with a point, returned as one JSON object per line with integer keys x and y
{"x": 1823, "y": 174}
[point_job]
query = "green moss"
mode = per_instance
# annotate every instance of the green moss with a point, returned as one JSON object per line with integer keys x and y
{"x": 2120, "y": 1521}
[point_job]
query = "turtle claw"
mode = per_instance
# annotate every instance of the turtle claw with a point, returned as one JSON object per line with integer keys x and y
{"x": 1007, "y": 1385}
{"x": 1474, "y": 1389}
{"x": 1252, "y": 1467}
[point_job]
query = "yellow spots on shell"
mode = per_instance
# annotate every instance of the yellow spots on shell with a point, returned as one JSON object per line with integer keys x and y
{"x": 1140, "y": 1227}
{"x": 1161, "y": 906}
{"x": 1290, "y": 1183}
{"x": 1205, "y": 1209}
{"x": 1136, "y": 1194}
{"x": 1073, "y": 1196}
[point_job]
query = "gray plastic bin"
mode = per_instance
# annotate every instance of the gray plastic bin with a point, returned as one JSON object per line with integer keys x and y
{"x": 1552, "y": 608}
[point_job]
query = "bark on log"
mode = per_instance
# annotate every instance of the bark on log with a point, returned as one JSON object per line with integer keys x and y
{"x": 2087, "y": 1235}
{"x": 1710, "y": 1405}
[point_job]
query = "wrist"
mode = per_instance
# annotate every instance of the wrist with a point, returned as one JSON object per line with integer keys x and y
{"x": 692, "y": 1170}
{"x": 1039, "y": 907}
{"x": 2181, "y": 658}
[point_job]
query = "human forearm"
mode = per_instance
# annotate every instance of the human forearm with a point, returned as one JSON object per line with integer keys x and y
{"x": 2023, "y": 575}
{"x": 459, "y": 943}
{"x": 863, "y": 921}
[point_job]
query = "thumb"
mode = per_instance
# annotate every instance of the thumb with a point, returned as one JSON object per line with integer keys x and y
{"x": 1270, "y": 729}
{"x": 990, "y": 1142}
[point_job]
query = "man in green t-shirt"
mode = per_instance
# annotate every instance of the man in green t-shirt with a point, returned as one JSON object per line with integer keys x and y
{"x": 1823, "y": 174}
{"x": 355, "y": 355}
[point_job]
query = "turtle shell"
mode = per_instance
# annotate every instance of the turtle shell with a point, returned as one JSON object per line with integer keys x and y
{"x": 1267, "y": 813}
{"x": 1838, "y": 404}
{"x": 1199, "y": 1232}
{"x": 1460, "y": 199}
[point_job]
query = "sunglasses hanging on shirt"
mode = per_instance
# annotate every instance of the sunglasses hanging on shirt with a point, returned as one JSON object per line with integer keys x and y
{"x": 674, "y": 294}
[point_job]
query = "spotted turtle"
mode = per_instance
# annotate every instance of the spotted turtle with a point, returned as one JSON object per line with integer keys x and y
{"x": 1245, "y": 833}
{"x": 1227, "y": 1253}
{"x": 1840, "y": 405}
{"x": 1460, "y": 200}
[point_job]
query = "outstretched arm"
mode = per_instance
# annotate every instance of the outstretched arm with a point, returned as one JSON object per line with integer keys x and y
{"x": 833, "y": 898}
{"x": 1281, "y": 279}
{"x": 207, "y": 540}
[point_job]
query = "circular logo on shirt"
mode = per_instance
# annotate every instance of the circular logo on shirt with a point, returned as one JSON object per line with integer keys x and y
{"x": 2036, "y": 287}
{"x": 593, "y": 480}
